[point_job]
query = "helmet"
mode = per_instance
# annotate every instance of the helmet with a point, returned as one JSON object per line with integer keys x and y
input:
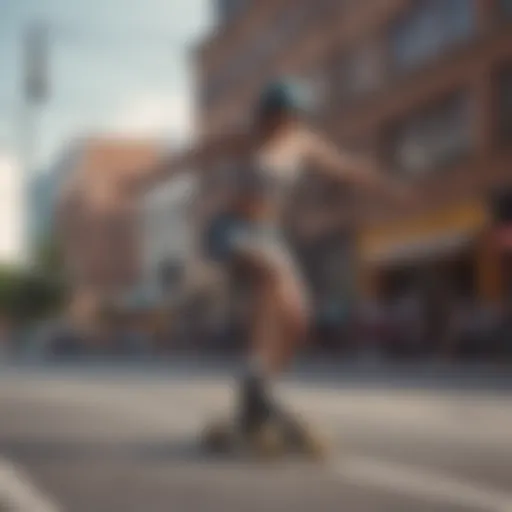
{"x": 284, "y": 96}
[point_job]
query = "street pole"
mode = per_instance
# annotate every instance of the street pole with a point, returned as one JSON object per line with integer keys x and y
{"x": 26, "y": 153}
{"x": 34, "y": 94}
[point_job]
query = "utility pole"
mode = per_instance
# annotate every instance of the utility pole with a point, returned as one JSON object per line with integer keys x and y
{"x": 35, "y": 92}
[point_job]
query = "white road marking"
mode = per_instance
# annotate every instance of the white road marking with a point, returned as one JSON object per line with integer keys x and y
{"x": 181, "y": 411}
{"x": 420, "y": 483}
{"x": 18, "y": 493}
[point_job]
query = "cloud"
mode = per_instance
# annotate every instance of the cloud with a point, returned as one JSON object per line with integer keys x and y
{"x": 141, "y": 114}
{"x": 154, "y": 115}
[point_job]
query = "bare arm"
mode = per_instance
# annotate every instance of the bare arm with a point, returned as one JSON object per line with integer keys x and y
{"x": 359, "y": 171}
{"x": 197, "y": 157}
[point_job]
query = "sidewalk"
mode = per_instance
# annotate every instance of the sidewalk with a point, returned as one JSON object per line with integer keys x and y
{"x": 416, "y": 374}
{"x": 335, "y": 373}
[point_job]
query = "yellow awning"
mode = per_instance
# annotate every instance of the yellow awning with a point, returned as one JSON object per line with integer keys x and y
{"x": 439, "y": 232}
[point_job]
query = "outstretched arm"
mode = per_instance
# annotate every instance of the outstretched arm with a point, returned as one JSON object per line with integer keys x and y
{"x": 359, "y": 171}
{"x": 197, "y": 157}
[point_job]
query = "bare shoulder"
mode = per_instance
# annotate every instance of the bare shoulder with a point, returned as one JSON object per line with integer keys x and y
{"x": 315, "y": 144}
{"x": 300, "y": 140}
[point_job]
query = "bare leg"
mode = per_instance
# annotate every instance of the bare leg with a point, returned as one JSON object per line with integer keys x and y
{"x": 279, "y": 324}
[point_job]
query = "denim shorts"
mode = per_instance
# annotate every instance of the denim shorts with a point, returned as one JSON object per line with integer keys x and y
{"x": 229, "y": 235}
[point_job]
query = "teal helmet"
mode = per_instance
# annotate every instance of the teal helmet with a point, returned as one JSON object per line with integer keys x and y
{"x": 284, "y": 96}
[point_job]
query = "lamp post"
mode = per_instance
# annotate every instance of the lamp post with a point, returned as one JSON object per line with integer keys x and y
{"x": 35, "y": 92}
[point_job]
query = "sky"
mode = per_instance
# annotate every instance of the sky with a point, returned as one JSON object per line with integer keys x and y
{"x": 114, "y": 65}
{"x": 11, "y": 211}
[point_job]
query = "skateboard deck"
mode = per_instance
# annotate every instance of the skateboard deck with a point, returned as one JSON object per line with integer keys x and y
{"x": 220, "y": 436}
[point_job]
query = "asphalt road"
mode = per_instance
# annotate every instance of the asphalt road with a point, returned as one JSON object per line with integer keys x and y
{"x": 91, "y": 441}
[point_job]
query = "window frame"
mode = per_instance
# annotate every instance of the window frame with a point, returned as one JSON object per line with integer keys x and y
{"x": 504, "y": 115}
{"x": 425, "y": 122}
{"x": 403, "y": 33}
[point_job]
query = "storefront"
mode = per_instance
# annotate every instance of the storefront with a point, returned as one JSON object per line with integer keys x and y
{"x": 503, "y": 238}
{"x": 502, "y": 210}
{"x": 326, "y": 262}
{"x": 449, "y": 248}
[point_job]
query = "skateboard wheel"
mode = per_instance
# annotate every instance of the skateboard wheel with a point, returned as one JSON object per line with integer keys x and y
{"x": 217, "y": 437}
{"x": 307, "y": 442}
{"x": 269, "y": 441}
{"x": 317, "y": 449}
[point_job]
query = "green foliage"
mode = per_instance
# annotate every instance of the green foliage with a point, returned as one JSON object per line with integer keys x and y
{"x": 28, "y": 294}
{"x": 48, "y": 257}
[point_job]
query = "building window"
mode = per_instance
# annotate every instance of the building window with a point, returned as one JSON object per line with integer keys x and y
{"x": 429, "y": 28}
{"x": 317, "y": 83}
{"x": 505, "y": 103}
{"x": 506, "y": 7}
{"x": 360, "y": 72}
{"x": 212, "y": 90}
{"x": 501, "y": 204}
{"x": 435, "y": 138}
{"x": 228, "y": 9}
{"x": 291, "y": 21}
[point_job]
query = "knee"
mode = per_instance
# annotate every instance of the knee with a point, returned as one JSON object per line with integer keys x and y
{"x": 282, "y": 288}
{"x": 296, "y": 310}
{"x": 301, "y": 318}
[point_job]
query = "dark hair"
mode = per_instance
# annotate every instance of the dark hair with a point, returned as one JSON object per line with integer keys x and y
{"x": 281, "y": 98}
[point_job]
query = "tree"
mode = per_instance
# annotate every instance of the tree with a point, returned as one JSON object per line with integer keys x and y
{"x": 29, "y": 294}
{"x": 48, "y": 258}
{"x": 26, "y": 296}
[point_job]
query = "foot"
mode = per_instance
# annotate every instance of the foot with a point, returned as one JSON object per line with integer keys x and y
{"x": 255, "y": 407}
{"x": 264, "y": 422}
{"x": 300, "y": 437}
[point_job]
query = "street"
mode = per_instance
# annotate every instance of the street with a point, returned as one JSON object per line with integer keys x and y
{"x": 94, "y": 441}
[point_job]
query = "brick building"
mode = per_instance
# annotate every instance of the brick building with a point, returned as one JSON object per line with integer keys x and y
{"x": 422, "y": 86}
{"x": 97, "y": 217}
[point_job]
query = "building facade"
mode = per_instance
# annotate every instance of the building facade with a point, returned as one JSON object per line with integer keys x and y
{"x": 424, "y": 88}
{"x": 97, "y": 217}
{"x": 167, "y": 236}
{"x": 44, "y": 193}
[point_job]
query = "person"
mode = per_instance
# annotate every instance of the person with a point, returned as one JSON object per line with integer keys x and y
{"x": 246, "y": 235}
